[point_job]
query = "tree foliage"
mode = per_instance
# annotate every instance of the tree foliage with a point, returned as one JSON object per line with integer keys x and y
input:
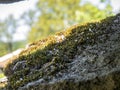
{"x": 55, "y": 15}
{"x": 7, "y": 30}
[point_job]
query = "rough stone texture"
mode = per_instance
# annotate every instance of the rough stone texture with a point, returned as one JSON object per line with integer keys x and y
{"x": 95, "y": 66}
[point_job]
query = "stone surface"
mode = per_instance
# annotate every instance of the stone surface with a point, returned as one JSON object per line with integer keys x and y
{"x": 95, "y": 64}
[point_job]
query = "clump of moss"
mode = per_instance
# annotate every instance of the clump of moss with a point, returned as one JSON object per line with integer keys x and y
{"x": 49, "y": 56}
{"x": 2, "y": 75}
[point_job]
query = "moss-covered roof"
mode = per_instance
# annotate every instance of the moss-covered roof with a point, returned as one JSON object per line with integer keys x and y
{"x": 50, "y": 55}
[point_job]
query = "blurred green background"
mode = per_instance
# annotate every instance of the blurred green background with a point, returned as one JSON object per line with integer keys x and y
{"x": 48, "y": 17}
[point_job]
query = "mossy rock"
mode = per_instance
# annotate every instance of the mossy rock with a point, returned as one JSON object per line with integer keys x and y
{"x": 70, "y": 60}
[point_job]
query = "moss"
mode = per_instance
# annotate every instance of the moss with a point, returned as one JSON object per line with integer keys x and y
{"x": 2, "y": 75}
{"x": 55, "y": 51}
{"x": 110, "y": 82}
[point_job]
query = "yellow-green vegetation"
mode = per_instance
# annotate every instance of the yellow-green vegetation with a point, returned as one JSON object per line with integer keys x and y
{"x": 55, "y": 50}
{"x": 2, "y": 75}
{"x": 2, "y": 84}
{"x": 53, "y": 19}
{"x": 46, "y": 19}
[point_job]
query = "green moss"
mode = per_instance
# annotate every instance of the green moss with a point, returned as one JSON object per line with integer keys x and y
{"x": 55, "y": 51}
{"x": 2, "y": 75}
